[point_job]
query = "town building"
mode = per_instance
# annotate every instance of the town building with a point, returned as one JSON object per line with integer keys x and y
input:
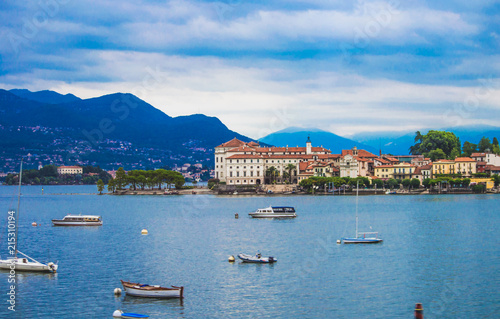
{"x": 397, "y": 171}
{"x": 240, "y": 163}
{"x": 69, "y": 170}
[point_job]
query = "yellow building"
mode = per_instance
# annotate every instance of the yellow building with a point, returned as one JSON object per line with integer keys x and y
{"x": 465, "y": 166}
{"x": 396, "y": 171}
{"x": 461, "y": 165}
{"x": 443, "y": 167}
{"x": 485, "y": 180}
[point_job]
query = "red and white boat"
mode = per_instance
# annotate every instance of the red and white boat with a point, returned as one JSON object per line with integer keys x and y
{"x": 141, "y": 290}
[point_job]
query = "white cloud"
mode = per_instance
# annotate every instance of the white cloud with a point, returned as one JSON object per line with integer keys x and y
{"x": 254, "y": 101}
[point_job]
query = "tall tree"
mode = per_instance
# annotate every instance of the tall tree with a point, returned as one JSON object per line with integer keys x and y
{"x": 121, "y": 178}
{"x": 290, "y": 168}
{"x": 433, "y": 140}
{"x": 468, "y": 149}
{"x": 100, "y": 186}
{"x": 415, "y": 149}
{"x": 484, "y": 144}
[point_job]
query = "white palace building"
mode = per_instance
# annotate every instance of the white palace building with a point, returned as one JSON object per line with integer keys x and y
{"x": 237, "y": 162}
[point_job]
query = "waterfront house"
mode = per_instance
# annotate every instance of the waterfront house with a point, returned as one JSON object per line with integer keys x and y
{"x": 69, "y": 170}
{"x": 465, "y": 166}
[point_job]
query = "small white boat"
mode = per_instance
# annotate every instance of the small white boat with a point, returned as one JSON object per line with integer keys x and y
{"x": 141, "y": 290}
{"x": 19, "y": 263}
{"x": 27, "y": 264}
{"x": 274, "y": 212}
{"x": 361, "y": 239}
{"x": 78, "y": 220}
{"x": 257, "y": 259}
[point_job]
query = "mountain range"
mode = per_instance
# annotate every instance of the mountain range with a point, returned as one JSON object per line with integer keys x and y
{"x": 96, "y": 129}
{"x": 122, "y": 130}
{"x": 294, "y": 136}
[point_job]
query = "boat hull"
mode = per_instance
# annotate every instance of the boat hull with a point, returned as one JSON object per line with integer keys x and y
{"x": 66, "y": 223}
{"x": 361, "y": 240}
{"x": 257, "y": 260}
{"x": 137, "y": 290}
{"x": 30, "y": 266}
{"x": 272, "y": 215}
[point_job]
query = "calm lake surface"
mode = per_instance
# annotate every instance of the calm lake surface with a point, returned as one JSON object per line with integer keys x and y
{"x": 442, "y": 251}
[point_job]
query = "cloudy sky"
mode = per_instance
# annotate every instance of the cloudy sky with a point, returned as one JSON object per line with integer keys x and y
{"x": 261, "y": 66}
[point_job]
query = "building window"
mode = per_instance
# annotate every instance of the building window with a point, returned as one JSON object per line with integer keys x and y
{"x": 251, "y": 173}
{"x": 230, "y": 174}
{"x": 237, "y": 174}
{"x": 245, "y": 174}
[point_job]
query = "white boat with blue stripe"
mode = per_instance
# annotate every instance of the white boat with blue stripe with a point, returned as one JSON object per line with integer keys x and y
{"x": 274, "y": 212}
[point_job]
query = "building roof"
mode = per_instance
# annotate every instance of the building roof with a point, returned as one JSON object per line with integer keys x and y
{"x": 70, "y": 167}
{"x": 478, "y": 154}
{"x": 464, "y": 159}
{"x": 361, "y": 153}
{"x": 425, "y": 167}
{"x": 232, "y": 143}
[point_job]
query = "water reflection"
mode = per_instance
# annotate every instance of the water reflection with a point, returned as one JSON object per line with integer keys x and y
{"x": 175, "y": 303}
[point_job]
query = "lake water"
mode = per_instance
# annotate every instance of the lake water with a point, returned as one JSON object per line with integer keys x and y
{"x": 442, "y": 251}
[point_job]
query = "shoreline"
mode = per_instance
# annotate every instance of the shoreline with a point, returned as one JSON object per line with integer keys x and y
{"x": 206, "y": 191}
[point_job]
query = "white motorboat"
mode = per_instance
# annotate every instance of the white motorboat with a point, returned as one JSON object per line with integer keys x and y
{"x": 257, "y": 259}
{"x": 274, "y": 212}
{"x": 141, "y": 290}
{"x": 25, "y": 263}
{"x": 78, "y": 220}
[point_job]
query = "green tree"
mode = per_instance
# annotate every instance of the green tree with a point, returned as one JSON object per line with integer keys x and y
{"x": 378, "y": 183}
{"x": 433, "y": 140}
{"x": 468, "y": 149}
{"x": 290, "y": 168}
{"x": 496, "y": 179}
{"x": 111, "y": 185}
{"x": 121, "y": 178}
{"x": 49, "y": 171}
{"x": 392, "y": 183}
{"x": 100, "y": 186}
{"x": 415, "y": 183}
{"x": 415, "y": 149}
{"x": 406, "y": 182}
{"x": 436, "y": 154}
{"x": 484, "y": 144}
{"x": 272, "y": 173}
{"x": 426, "y": 182}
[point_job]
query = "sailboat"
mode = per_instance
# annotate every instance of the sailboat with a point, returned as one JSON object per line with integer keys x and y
{"x": 361, "y": 237}
{"x": 25, "y": 263}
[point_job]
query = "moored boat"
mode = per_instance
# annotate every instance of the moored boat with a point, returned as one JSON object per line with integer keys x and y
{"x": 361, "y": 239}
{"x": 257, "y": 259}
{"x": 78, "y": 220}
{"x": 142, "y": 290}
{"x": 274, "y": 212}
{"x": 19, "y": 263}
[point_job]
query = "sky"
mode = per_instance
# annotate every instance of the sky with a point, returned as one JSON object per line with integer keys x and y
{"x": 261, "y": 66}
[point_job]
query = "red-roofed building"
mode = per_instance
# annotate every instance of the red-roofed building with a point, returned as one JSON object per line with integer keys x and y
{"x": 240, "y": 163}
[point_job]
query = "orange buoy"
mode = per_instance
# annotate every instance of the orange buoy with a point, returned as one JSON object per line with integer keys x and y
{"x": 33, "y": 224}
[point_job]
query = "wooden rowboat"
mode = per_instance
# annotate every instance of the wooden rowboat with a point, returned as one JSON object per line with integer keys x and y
{"x": 141, "y": 290}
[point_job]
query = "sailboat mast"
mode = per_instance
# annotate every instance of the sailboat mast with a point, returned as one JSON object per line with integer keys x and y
{"x": 357, "y": 188}
{"x": 18, "y": 205}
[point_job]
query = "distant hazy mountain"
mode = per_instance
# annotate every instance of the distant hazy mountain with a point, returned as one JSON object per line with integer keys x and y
{"x": 400, "y": 142}
{"x": 294, "y": 136}
{"x": 45, "y": 96}
{"x": 114, "y": 117}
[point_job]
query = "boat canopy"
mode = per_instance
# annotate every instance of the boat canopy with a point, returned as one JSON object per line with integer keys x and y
{"x": 280, "y": 209}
